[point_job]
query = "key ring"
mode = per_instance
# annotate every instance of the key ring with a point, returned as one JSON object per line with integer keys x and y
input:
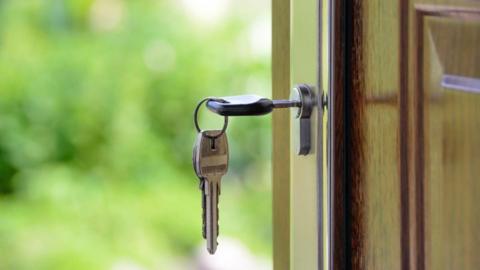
{"x": 195, "y": 118}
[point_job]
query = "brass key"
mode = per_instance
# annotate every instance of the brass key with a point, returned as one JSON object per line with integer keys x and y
{"x": 211, "y": 163}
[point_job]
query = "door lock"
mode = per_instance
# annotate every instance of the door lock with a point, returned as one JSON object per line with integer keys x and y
{"x": 210, "y": 152}
{"x": 302, "y": 98}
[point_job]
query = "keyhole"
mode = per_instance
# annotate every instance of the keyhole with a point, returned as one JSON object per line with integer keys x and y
{"x": 213, "y": 145}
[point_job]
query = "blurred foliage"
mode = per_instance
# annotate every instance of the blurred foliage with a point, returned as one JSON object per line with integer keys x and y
{"x": 96, "y": 133}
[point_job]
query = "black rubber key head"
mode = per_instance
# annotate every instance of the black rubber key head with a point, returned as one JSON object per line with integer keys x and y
{"x": 240, "y": 105}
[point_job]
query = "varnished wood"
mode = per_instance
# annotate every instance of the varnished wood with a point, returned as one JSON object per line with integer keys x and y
{"x": 405, "y": 160}
{"x": 408, "y": 249}
{"x": 447, "y": 132}
{"x": 281, "y": 136}
{"x": 336, "y": 141}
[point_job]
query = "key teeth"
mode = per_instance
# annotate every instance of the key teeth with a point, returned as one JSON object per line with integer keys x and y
{"x": 212, "y": 250}
{"x": 204, "y": 231}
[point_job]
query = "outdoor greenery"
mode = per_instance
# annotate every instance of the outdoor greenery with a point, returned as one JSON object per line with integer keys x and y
{"x": 96, "y": 133}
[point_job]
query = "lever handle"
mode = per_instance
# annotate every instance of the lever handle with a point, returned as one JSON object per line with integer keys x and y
{"x": 247, "y": 105}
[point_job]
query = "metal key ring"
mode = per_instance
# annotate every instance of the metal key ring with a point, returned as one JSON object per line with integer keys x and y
{"x": 195, "y": 118}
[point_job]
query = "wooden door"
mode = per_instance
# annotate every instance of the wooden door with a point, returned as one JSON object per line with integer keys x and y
{"x": 405, "y": 134}
{"x": 403, "y": 82}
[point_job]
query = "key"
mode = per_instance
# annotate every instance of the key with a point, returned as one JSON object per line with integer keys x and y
{"x": 212, "y": 164}
{"x": 201, "y": 183}
{"x": 247, "y": 105}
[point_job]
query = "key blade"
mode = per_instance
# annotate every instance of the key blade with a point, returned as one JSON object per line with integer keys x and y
{"x": 211, "y": 188}
{"x": 195, "y": 159}
{"x": 204, "y": 210}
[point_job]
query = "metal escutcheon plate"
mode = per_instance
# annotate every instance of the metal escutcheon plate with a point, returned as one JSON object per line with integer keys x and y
{"x": 303, "y": 125}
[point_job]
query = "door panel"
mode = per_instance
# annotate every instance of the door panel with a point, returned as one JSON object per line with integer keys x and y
{"x": 366, "y": 136}
{"x": 451, "y": 137}
{"x": 405, "y": 139}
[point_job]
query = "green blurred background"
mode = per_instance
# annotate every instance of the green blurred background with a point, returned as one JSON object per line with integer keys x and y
{"x": 96, "y": 131}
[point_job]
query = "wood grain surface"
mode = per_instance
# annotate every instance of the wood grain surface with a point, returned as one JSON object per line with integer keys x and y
{"x": 405, "y": 163}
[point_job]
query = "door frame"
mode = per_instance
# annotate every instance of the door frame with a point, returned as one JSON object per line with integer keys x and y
{"x": 300, "y": 231}
{"x": 281, "y": 138}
